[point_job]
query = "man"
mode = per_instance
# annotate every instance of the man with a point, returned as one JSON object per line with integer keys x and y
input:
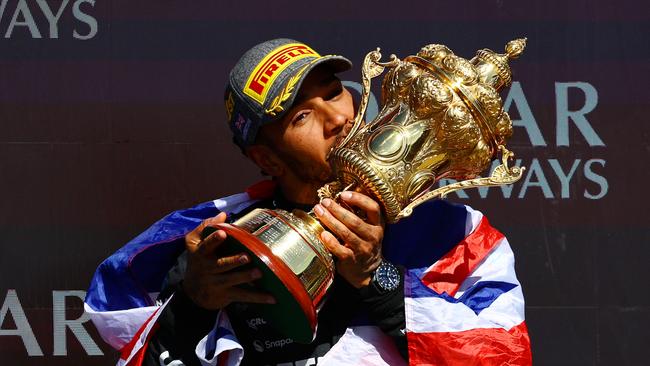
{"x": 437, "y": 288}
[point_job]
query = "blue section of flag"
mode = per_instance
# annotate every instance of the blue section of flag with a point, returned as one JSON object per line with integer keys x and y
{"x": 477, "y": 297}
{"x": 482, "y": 294}
{"x": 211, "y": 343}
{"x": 124, "y": 280}
{"x": 428, "y": 234}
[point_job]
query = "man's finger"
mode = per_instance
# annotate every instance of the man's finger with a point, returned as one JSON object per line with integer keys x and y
{"x": 207, "y": 227}
{"x": 238, "y": 277}
{"x": 209, "y": 244}
{"x": 360, "y": 228}
{"x": 193, "y": 239}
{"x": 219, "y": 219}
{"x": 333, "y": 245}
{"x": 347, "y": 217}
{"x": 337, "y": 227}
{"x": 365, "y": 203}
{"x": 225, "y": 264}
{"x": 246, "y": 295}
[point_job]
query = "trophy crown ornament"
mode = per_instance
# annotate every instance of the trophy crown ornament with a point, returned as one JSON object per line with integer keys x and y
{"x": 441, "y": 117}
{"x": 493, "y": 68}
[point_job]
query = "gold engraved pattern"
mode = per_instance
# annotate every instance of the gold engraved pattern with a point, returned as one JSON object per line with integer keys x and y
{"x": 442, "y": 117}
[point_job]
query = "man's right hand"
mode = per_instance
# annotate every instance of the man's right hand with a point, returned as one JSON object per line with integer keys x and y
{"x": 211, "y": 281}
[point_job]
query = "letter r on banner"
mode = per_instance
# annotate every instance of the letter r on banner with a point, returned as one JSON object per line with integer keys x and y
{"x": 75, "y": 325}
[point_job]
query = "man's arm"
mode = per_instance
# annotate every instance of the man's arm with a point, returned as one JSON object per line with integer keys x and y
{"x": 210, "y": 280}
{"x": 208, "y": 285}
{"x": 359, "y": 254}
{"x": 386, "y": 310}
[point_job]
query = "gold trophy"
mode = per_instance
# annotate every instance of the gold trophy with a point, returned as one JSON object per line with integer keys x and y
{"x": 441, "y": 117}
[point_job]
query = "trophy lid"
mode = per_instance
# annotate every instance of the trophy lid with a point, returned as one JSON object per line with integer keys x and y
{"x": 493, "y": 68}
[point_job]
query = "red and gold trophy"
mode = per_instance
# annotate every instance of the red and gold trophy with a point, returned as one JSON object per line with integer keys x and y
{"x": 441, "y": 117}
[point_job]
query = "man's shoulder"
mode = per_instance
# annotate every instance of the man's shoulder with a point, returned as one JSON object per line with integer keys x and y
{"x": 230, "y": 204}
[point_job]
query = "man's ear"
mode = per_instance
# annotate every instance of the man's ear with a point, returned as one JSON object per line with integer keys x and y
{"x": 266, "y": 159}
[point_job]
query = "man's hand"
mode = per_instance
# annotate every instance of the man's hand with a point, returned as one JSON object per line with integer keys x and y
{"x": 360, "y": 253}
{"x": 211, "y": 281}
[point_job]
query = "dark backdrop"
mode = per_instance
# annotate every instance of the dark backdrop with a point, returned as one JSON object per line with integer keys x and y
{"x": 111, "y": 115}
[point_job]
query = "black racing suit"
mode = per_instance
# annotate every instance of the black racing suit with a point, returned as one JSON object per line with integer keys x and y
{"x": 182, "y": 324}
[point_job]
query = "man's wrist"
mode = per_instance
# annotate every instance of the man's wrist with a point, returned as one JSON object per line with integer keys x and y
{"x": 386, "y": 278}
{"x": 363, "y": 283}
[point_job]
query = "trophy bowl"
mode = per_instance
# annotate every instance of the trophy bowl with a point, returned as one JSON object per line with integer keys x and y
{"x": 441, "y": 117}
{"x": 296, "y": 268}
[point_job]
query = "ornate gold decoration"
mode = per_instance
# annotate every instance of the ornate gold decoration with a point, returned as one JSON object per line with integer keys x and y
{"x": 329, "y": 190}
{"x": 502, "y": 174}
{"x": 442, "y": 117}
{"x": 371, "y": 68}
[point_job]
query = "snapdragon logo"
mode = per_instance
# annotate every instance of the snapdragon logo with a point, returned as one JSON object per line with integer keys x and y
{"x": 567, "y": 178}
{"x": 41, "y": 18}
{"x": 278, "y": 343}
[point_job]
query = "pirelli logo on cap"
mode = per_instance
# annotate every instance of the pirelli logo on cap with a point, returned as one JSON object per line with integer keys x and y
{"x": 261, "y": 79}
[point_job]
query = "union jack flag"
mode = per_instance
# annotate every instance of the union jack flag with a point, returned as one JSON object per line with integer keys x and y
{"x": 463, "y": 302}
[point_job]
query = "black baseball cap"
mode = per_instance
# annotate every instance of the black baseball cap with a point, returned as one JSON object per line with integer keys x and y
{"x": 263, "y": 84}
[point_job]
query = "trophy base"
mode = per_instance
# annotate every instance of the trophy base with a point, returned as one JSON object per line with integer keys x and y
{"x": 293, "y": 313}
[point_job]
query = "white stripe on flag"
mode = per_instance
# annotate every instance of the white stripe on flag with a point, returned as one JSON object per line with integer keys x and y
{"x": 433, "y": 314}
{"x": 234, "y": 203}
{"x": 226, "y": 343}
{"x": 142, "y": 340}
{"x": 363, "y": 345}
{"x": 117, "y": 328}
{"x": 499, "y": 265}
{"x": 473, "y": 219}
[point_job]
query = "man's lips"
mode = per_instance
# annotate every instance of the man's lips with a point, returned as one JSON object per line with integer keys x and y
{"x": 337, "y": 143}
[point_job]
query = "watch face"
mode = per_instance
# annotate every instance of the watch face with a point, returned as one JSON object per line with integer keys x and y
{"x": 387, "y": 276}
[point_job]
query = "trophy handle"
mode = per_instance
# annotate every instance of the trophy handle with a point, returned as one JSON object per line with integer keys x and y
{"x": 502, "y": 174}
{"x": 332, "y": 190}
{"x": 371, "y": 68}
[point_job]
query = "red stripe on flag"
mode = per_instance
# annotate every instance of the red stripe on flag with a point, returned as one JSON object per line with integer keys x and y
{"x": 261, "y": 190}
{"x": 449, "y": 272}
{"x": 126, "y": 351}
{"x": 484, "y": 347}
{"x": 138, "y": 358}
{"x": 222, "y": 358}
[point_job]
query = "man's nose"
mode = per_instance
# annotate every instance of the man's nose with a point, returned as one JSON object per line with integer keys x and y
{"x": 334, "y": 119}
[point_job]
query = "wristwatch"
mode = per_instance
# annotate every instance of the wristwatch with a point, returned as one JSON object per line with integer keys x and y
{"x": 386, "y": 278}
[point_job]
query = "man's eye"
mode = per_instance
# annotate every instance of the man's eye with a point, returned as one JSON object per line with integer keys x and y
{"x": 300, "y": 116}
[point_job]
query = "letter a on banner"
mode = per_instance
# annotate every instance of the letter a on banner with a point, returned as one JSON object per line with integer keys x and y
{"x": 23, "y": 329}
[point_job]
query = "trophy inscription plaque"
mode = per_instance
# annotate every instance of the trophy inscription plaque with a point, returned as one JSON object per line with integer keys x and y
{"x": 441, "y": 117}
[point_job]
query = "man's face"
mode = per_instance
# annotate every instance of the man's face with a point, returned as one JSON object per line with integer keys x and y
{"x": 322, "y": 111}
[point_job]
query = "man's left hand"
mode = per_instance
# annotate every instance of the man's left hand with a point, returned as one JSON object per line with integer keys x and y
{"x": 360, "y": 253}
